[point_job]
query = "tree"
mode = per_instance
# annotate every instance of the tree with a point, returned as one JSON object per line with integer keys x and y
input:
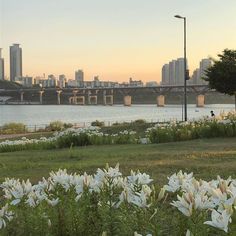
{"x": 222, "y": 75}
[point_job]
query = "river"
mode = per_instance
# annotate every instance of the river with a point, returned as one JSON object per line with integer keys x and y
{"x": 44, "y": 114}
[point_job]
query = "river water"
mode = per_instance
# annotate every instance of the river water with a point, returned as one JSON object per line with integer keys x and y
{"x": 44, "y": 114}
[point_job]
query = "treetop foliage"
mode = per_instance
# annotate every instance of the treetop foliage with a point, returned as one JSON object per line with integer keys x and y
{"x": 222, "y": 75}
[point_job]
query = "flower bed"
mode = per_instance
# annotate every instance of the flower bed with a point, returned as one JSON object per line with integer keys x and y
{"x": 222, "y": 126}
{"x": 108, "y": 203}
{"x": 69, "y": 138}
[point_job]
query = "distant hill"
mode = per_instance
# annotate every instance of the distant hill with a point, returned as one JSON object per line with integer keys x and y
{"x": 4, "y": 84}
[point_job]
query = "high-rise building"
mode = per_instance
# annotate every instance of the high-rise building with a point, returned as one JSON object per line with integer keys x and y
{"x": 62, "y": 77}
{"x": 41, "y": 81}
{"x": 195, "y": 77}
{"x": 172, "y": 76}
{"x": 79, "y": 78}
{"x": 204, "y": 65}
{"x": 71, "y": 83}
{"x": 62, "y": 81}
{"x": 1, "y": 66}
{"x": 179, "y": 71}
{"x": 165, "y": 75}
{"x": 51, "y": 81}
{"x": 15, "y": 61}
{"x": 200, "y": 73}
{"x": 173, "y": 73}
{"x": 26, "y": 81}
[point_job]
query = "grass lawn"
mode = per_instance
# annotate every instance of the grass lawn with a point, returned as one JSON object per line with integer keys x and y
{"x": 207, "y": 158}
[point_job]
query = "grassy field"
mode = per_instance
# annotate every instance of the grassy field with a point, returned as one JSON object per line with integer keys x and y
{"x": 206, "y": 158}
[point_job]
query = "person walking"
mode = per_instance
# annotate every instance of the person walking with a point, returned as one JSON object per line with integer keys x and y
{"x": 212, "y": 114}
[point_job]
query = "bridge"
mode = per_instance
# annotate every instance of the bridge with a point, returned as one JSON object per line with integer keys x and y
{"x": 89, "y": 96}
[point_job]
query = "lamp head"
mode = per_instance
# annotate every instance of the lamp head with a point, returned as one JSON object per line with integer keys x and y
{"x": 180, "y": 17}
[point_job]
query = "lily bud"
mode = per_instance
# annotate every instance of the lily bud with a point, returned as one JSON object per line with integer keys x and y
{"x": 136, "y": 234}
{"x": 107, "y": 166}
{"x": 49, "y": 223}
{"x": 229, "y": 209}
{"x": 161, "y": 194}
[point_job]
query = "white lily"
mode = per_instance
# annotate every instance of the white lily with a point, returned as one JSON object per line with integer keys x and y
{"x": 184, "y": 204}
{"x": 219, "y": 220}
{"x": 5, "y": 215}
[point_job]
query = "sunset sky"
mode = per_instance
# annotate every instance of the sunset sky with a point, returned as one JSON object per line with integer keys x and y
{"x": 115, "y": 39}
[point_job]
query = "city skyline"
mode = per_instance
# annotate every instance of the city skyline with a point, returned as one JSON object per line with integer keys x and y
{"x": 115, "y": 40}
{"x": 172, "y": 73}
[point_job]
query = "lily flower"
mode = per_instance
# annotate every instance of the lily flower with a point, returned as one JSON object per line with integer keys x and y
{"x": 219, "y": 220}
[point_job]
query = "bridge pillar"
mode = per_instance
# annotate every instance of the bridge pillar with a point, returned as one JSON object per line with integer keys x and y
{"x": 200, "y": 100}
{"x": 89, "y": 93}
{"x": 71, "y": 99}
{"x": 80, "y": 100}
{"x": 127, "y": 100}
{"x": 22, "y": 96}
{"x": 41, "y": 97}
{"x": 93, "y": 100}
{"x": 161, "y": 101}
{"x": 104, "y": 97}
{"x": 74, "y": 96}
{"x": 107, "y": 99}
{"x": 59, "y": 97}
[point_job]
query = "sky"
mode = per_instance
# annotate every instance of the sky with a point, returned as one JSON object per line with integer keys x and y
{"x": 115, "y": 39}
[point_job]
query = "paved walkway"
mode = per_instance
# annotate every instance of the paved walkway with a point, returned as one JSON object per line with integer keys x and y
{"x": 10, "y": 136}
{"x": 7, "y": 136}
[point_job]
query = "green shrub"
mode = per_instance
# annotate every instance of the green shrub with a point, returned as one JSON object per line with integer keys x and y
{"x": 13, "y": 128}
{"x": 161, "y": 136}
{"x": 230, "y": 130}
{"x": 139, "y": 122}
{"x": 69, "y": 140}
{"x": 124, "y": 139}
{"x": 121, "y": 123}
{"x": 98, "y": 123}
{"x": 55, "y": 126}
{"x": 182, "y": 133}
{"x": 115, "y": 124}
{"x": 67, "y": 125}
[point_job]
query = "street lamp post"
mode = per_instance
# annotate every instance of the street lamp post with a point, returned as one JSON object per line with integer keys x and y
{"x": 185, "y": 68}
